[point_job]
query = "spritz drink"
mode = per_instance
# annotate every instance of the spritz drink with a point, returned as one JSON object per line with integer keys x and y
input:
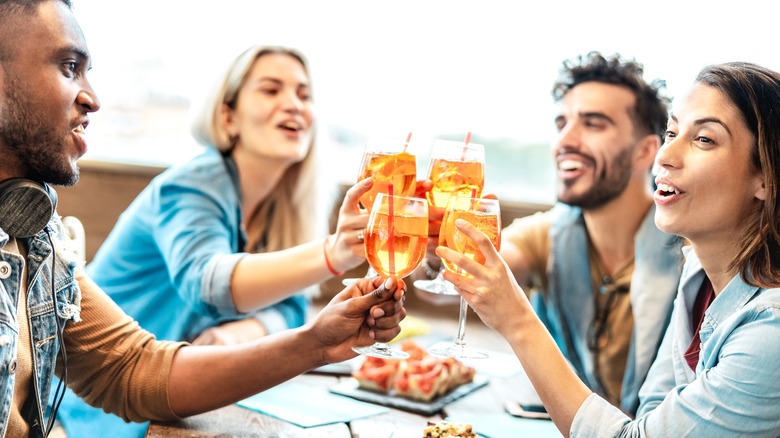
{"x": 486, "y": 221}
{"x": 484, "y": 214}
{"x": 398, "y": 169}
{"x": 396, "y": 237}
{"x": 460, "y": 178}
{"x": 456, "y": 169}
{"x": 399, "y": 256}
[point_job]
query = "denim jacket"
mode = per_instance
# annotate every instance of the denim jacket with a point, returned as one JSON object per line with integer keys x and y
{"x": 567, "y": 309}
{"x": 734, "y": 390}
{"x": 40, "y": 312}
{"x": 168, "y": 263}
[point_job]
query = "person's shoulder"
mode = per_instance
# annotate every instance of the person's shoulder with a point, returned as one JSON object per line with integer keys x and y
{"x": 539, "y": 222}
{"x": 206, "y": 169}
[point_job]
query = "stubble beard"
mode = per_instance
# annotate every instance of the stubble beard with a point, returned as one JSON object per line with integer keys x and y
{"x": 37, "y": 147}
{"x": 608, "y": 184}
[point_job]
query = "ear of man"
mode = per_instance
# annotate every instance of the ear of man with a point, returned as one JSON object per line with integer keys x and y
{"x": 645, "y": 151}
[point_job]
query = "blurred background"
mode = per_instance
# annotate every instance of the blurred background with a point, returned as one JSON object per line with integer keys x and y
{"x": 436, "y": 68}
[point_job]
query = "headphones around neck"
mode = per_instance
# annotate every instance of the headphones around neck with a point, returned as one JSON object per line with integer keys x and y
{"x": 26, "y": 206}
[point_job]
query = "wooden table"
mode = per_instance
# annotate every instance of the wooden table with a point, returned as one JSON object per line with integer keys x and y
{"x": 235, "y": 421}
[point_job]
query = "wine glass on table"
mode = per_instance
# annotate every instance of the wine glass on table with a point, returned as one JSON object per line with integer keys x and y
{"x": 484, "y": 214}
{"x": 388, "y": 162}
{"x": 395, "y": 243}
{"x": 456, "y": 168}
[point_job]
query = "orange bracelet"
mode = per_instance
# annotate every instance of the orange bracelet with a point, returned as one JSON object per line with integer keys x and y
{"x": 327, "y": 261}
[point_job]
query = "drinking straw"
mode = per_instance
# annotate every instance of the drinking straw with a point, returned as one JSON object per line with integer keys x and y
{"x": 465, "y": 146}
{"x": 390, "y": 239}
{"x": 408, "y": 137}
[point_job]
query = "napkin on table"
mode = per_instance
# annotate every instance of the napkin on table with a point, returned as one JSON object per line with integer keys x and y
{"x": 309, "y": 406}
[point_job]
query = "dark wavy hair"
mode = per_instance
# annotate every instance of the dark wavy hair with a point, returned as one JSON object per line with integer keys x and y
{"x": 755, "y": 91}
{"x": 650, "y": 113}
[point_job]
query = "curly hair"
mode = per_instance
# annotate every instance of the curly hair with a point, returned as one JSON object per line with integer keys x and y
{"x": 650, "y": 111}
{"x": 755, "y": 92}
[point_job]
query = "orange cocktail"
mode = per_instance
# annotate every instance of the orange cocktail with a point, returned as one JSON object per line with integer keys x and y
{"x": 460, "y": 178}
{"x": 483, "y": 214}
{"x": 409, "y": 240}
{"x": 398, "y": 169}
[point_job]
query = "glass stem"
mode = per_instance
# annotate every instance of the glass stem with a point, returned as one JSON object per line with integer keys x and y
{"x": 462, "y": 322}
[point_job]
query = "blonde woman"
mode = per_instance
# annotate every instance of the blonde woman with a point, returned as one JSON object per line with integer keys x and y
{"x": 217, "y": 250}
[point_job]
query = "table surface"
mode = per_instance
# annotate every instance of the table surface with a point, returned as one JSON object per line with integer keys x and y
{"x": 235, "y": 421}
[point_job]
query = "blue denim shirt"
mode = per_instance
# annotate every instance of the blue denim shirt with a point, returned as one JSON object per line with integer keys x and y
{"x": 40, "y": 312}
{"x": 735, "y": 390}
{"x": 168, "y": 263}
{"x": 567, "y": 308}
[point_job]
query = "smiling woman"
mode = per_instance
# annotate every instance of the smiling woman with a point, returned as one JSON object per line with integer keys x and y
{"x": 436, "y": 68}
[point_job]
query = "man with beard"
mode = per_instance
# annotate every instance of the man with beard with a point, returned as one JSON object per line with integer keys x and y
{"x": 582, "y": 257}
{"x": 55, "y": 320}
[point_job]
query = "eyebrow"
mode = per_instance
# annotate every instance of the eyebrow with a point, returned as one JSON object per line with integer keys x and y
{"x": 588, "y": 115}
{"x": 78, "y": 52}
{"x": 705, "y": 120}
{"x": 279, "y": 81}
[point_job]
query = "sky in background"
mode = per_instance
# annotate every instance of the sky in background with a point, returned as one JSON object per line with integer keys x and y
{"x": 428, "y": 66}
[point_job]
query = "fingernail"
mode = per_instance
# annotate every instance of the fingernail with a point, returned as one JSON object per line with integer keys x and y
{"x": 378, "y": 313}
{"x": 388, "y": 283}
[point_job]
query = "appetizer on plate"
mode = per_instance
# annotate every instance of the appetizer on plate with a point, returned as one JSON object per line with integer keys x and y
{"x": 421, "y": 377}
{"x": 446, "y": 429}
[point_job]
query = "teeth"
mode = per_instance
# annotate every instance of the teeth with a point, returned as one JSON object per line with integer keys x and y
{"x": 667, "y": 188}
{"x": 570, "y": 165}
{"x": 79, "y": 129}
{"x": 291, "y": 125}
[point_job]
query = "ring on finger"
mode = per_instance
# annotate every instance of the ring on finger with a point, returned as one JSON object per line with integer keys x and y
{"x": 360, "y": 236}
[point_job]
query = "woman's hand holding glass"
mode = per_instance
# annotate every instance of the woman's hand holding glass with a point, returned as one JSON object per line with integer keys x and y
{"x": 395, "y": 242}
{"x": 489, "y": 287}
{"x": 345, "y": 250}
{"x": 485, "y": 214}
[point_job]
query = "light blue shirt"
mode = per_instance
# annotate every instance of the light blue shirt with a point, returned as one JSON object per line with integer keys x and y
{"x": 735, "y": 390}
{"x": 168, "y": 263}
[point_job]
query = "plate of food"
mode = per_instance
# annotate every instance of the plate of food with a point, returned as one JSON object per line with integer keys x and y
{"x": 422, "y": 384}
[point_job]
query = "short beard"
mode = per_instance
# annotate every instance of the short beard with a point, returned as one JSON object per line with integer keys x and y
{"x": 609, "y": 184}
{"x": 36, "y": 146}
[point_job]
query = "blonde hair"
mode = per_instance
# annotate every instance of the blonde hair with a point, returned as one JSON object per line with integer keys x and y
{"x": 286, "y": 215}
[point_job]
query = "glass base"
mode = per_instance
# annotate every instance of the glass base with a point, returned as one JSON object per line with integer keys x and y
{"x": 458, "y": 351}
{"x": 435, "y": 287}
{"x": 382, "y": 351}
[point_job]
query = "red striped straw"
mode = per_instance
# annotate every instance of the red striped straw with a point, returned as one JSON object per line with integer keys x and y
{"x": 408, "y": 137}
{"x": 465, "y": 146}
{"x": 391, "y": 231}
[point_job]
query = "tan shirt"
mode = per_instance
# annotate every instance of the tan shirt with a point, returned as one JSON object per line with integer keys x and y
{"x": 531, "y": 235}
{"x": 112, "y": 362}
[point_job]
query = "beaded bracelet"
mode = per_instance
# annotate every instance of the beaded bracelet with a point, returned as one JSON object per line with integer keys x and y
{"x": 327, "y": 261}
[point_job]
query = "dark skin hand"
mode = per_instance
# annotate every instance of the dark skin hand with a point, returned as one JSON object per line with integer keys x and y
{"x": 380, "y": 324}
